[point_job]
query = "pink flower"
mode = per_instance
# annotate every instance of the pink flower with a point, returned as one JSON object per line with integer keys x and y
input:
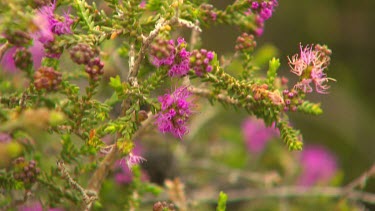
{"x": 125, "y": 175}
{"x": 37, "y": 52}
{"x": 310, "y": 66}
{"x": 48, "y": 24}
{"x": 175, "y": 111}
{"x": 36, "y": 206}
{"x": 176, "y": 58}
{"x": 318, "y": 166}
{"x": 256, "y": 134}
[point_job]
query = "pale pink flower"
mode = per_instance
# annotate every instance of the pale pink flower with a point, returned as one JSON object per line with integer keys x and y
{"x": 309, "y": 65}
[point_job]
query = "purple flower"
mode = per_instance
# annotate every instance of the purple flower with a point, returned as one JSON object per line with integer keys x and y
{"x": 256, "y": 134}
{"x": 262, "y": 11}
{"x": 309, "y": 65}
{"x": 318, "y": 166}
{"x": 57, "y": 26}
{"x": 175, "y": 111}
{"x": 48, "y": 25}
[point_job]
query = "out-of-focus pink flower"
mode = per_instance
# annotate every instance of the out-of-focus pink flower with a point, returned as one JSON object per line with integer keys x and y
{"x": 5, "y": 138}
{"x": 256, "y": 134}
{"x": 143, "y": 4}
{"x": 36, "y": 206}
{"x": 125, "y": 175}
{"x": 318, "y": 166}
{"x": 36, "y": 50}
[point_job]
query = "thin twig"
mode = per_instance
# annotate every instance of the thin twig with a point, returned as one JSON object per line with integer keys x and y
{"x": 288, "y": 192}
{"x": 208, "y": 93}
{"x": 133, "y": 72}
{"x": 101, "y": 172}
{"x": 361, "y": 180}
{"x": 3, "y": 49}
{"x": 88, "y": 196}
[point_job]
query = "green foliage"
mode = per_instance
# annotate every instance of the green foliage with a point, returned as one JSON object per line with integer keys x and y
{"x": 274, "y": 65}
{"x": 291, "y": 137}
{"x": 222, "y": 202}
{"x": 310, "y": 108}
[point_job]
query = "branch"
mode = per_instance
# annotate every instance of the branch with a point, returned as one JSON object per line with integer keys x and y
{"x": 95, "y": 182}
{"x": 209, "y": 94}
{"x": 288, "y": 192}
{"x": 361, "y": 180}
{"x": 133, "y": 72}
{"x": 88, "y": 196}
{"x": 3, "y": 49}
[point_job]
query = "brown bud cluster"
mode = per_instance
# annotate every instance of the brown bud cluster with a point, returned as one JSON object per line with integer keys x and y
{"x": 324, "y": 53}
{"x": 82, "y": 53}
{"x": 47, "y": 78}
{"x": 53, "y": 50}
{"x": 18, "y": 38}
{"x": 162, "y": 48}
{"x": 292, "y": 100}
{"x": 39, "y": 3}
{"x": 245, "y": 42}
{"x": 22, "y": 58}
{"x": 262, "y": 92}
{"x": 200, "y": 61}
{"x": 208, "y": 11}
{"x": 25, "y": 171}
{"x": 95, "y": 68}
{"x": 163, "y": 206}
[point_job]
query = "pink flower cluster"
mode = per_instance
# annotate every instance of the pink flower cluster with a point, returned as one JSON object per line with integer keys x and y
{"x": 48, "y": 24}
{"x": 200, "y": 61}
{"x": 175, "y": 111}
{"x": 263, "y": 11}
{"x": 177, "y": 58}
{"x": 310, "y": 65}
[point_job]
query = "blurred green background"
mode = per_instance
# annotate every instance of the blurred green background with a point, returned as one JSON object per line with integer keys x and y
{"x": 347, "y": 127}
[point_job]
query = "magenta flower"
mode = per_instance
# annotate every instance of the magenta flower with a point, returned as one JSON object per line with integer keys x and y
{"x": 176, "y": 58}
{"x": 262, "y": 11}
{"x": 57, "y": 26}
{"x": 256, "y": 134}
{"x": 49, "y": 25}
{"x": 175, "y": 111}
{"x": 318, "y": 166}
{"x": 310, "y": 66}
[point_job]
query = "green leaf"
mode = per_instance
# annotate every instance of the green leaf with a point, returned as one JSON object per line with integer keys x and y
{"x": 310, "y": 108}
{"x": 274, "y": 65}
{"x": 115, "y": 82}
{"x": 222, "y": 203}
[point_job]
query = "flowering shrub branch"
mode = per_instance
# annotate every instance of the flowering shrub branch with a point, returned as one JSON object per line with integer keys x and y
{"x": 102, "y": 124}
